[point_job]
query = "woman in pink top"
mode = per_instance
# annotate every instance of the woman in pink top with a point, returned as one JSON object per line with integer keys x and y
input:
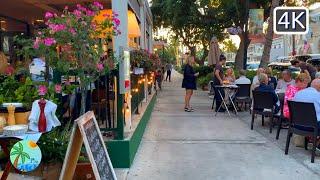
{"x": 302, "y": 81}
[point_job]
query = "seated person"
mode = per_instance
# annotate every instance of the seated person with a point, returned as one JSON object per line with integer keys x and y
{"x": 264, "y": 87}
{"x": 255, "y": 81}
{"x": 285, "y": 81}
{"x": 311, "y": 95}
{"x": 230, "y": 76}
{"x": 301, "y": 83}
{"x": 272, "y": 80}
{"x": 242, "y": 79}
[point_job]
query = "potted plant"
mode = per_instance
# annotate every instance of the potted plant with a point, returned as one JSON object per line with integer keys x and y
{"x": 79, "y": 35}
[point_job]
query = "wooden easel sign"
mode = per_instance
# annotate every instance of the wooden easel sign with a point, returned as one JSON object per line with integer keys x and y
{"x": 87, "y": 131}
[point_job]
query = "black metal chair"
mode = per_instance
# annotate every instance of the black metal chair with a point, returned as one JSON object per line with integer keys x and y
{"x": 280, "y": 115}
{"x": 303, "y": 121}
{"x": 262, "y": 105}
{"x": 243, "y": 95}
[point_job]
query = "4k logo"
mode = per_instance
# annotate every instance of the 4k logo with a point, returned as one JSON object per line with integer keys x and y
{"x": 291, "y": 20}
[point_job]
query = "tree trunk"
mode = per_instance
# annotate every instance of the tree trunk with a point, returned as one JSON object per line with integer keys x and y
{"x": 240, "y": 53}
{"x": 204, "y": 56}
{"x": 269, "y": 37}
{"x": 15, "y": 163}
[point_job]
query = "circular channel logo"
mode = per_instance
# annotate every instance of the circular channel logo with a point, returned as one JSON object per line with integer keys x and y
{"x": 25, "y": 155}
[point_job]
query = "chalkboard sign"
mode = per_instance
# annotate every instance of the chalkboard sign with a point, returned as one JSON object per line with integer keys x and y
{"x": 86, "y": 128}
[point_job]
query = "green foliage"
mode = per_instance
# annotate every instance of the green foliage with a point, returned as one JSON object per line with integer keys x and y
{"x": 26, "y": 93}
{"x": 54, "y": 144}
{"x": 204, "y": 80}
{"x": 145, "y": 60}
{"x": 203, "y": 70}
{"x": 24, "y": 47}
{"x": 8, "y": 87}
{"x": 229, "y": 46}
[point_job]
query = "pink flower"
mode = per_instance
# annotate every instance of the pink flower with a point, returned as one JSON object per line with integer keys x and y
{"x": 42, "y": 90}
{"x": 81, "y": 8}
{"x": 116, "y": 21}
{"x": 100, "y": 67}
{"x": 57, "y": 27}
{"x": 98, "y": 5}
{"x": 58, "y": 88}
{"x": 49, "y": 41}
{"x": 36, "y": 43}
{"x": 77, "y": 13}
{"x": 90, "y": 13}
{"x": 94, "y": 26}
{"x": 72, "y": 31}
{"x": 66, "y": 8}
{"x": 48, "y": 15}
{"x": 9, "y": 70}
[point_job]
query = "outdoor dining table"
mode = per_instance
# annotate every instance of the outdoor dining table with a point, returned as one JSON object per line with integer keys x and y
{"x": 230, "y": 92}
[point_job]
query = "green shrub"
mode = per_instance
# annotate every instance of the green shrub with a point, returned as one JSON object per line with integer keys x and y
{"x": 204, "y": 80}
{"x": 203, "y": 70}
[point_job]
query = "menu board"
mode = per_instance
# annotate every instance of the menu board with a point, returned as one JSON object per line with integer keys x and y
{"x": 97, "y": 150}
{"x": 86, "y": 130}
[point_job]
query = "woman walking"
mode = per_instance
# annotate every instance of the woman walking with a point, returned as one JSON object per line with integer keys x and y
{"x": 189, "y": 83}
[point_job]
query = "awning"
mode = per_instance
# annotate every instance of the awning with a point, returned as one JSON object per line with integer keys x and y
{"x": 133, "y": 26}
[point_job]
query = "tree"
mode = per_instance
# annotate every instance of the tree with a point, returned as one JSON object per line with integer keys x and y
{"x": 269, "y": 37}
{"x": 229, "y": 46}
{"x": 193, "y": 22}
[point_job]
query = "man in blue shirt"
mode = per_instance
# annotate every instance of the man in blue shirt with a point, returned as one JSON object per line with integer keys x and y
{"x": 311, "y": 95}
{"x": 264, "y": 87}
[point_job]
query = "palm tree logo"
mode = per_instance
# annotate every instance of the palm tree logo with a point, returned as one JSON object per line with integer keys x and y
{"x": 25, "y": 155}
{"x": 18, "y": 152}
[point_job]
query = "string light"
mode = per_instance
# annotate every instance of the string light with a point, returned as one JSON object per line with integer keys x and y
{"x": 127, "y": 109}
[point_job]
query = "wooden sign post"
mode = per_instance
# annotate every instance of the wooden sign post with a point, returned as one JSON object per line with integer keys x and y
{"x": 87, "y": 131}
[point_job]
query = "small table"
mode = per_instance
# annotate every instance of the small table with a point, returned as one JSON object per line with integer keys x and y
{"x": 230, "y": 92}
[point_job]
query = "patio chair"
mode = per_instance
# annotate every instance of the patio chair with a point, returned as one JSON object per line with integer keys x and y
{"x": 280, "y": 115}
{"x": 243, "y": 95}
{"x": 262, "y": 105}
{"x": 303, "y": 121}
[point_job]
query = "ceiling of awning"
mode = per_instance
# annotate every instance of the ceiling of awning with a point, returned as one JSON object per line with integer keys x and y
{"x": 29, "y": 11}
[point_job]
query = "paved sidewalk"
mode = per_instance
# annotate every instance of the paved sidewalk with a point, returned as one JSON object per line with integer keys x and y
{"x": 199, "y": 146}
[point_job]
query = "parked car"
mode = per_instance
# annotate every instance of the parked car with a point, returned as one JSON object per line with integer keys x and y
{"x": 253, "y": 66}
{"x": 307, "y": 57}
{"x": 230, "y": 64}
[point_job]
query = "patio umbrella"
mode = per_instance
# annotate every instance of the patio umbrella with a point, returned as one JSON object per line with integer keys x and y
{"x": 214, "y": 52}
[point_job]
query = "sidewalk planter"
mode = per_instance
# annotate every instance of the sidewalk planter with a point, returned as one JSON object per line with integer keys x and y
{"x": 122, "y": 152}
